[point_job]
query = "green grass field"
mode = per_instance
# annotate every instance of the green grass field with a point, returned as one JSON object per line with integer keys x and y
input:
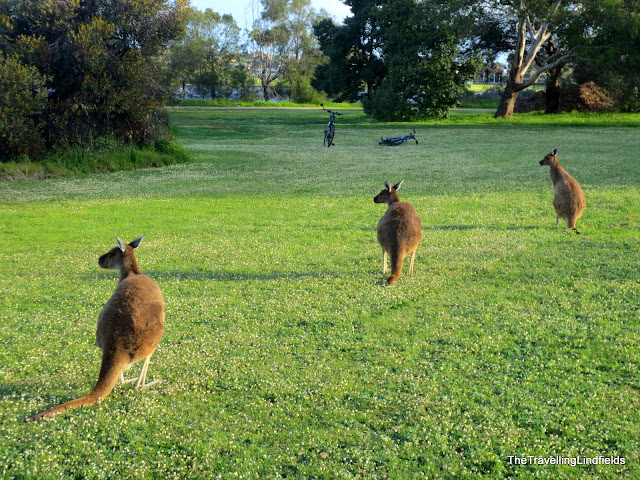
{"x": 284, "y": 354}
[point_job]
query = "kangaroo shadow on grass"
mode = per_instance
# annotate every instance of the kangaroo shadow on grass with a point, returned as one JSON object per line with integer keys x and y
{"x": 469, "y": 227}
{"x": 480, "y": 227}
{"x": 222, "y": 276}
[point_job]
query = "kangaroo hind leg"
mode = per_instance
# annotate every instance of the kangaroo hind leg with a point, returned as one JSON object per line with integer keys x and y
{"x": 143, "y": 375}
{"x": 413, "y": 257}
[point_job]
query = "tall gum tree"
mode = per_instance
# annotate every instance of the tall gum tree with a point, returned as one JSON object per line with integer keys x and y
{"x": 534, "y": 29}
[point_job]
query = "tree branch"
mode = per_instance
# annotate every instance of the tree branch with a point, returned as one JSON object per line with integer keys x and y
{"x": 541, "y": 36}
{"x": 562, "y": 60}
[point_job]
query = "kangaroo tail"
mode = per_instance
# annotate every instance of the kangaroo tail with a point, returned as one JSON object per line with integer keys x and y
{"x": 396, "y": 268}
{"x": 109, "y": 372}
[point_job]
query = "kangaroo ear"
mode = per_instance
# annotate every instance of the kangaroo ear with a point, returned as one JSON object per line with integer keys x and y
{"x": 386, "y": 185}
{"x": 554, "y": 152}
{"x": 136, "y": 242}
{"x": 397, "y": 185}
{"x": 120, "y": 244}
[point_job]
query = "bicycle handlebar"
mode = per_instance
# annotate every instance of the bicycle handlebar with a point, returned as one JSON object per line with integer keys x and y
{"x": 330, "y": 111}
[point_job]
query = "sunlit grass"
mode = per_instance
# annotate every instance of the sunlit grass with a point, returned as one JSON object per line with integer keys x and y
{"x": 284, "y": 355}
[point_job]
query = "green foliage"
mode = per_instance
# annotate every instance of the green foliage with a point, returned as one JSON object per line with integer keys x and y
{"x": 23, "y": 96}
{"x": 102, "y": 155}
{"x": 99, "y": 62}
{"x": 426, "y": 75}
{"x": 612, "y": 52}
{"x": 353, "y": 65}
{"x": 408, "y": 67}
{"x": 209, "y": 54}
{"x": 284, "y": 355}
{"x": 284, "y": 49}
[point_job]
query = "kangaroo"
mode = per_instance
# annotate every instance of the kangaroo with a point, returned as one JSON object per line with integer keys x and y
{"x": 568, "y": 198}
{"x": 129, "y": 327}
{"x": 399, "y": 231}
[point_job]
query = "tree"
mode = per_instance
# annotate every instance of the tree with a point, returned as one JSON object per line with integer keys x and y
{"x": 614, "y": 40}
{"x": 404, "y": 54}
{"x": 209, "y": 53}
{"x": 100, "y": 60}
{"x": 282, "y": 43}
{"x": 546, "y": 36}
{"x": 426, "y": 71}
{"x": 354, "y": 54}
{"x": 271, "y": 44}
{"x": 23, "y": 97}
{"x": 305, "y": 52}
{"x": 532, "y": 27}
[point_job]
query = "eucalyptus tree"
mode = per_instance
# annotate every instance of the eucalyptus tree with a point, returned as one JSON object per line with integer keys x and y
{"x": 531, "y": 25}
{"x": 282, "y": 43}
{"x": 210, "y": 51}
{"x": 544, "y": 37}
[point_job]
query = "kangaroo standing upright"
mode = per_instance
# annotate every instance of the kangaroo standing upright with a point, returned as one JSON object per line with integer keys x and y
{"x": 568, "y": 198}
{"x": 399, "y": 231}
{"x": 130, "y": 326}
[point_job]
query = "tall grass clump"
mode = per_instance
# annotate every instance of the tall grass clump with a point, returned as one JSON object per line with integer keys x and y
{"x": 103, "y": 155}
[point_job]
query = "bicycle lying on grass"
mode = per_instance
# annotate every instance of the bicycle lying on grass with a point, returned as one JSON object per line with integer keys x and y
{"x": 330, "y": 132}
{"x": 393, "y": 141}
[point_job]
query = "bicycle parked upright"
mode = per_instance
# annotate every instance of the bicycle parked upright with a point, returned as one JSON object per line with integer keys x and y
{"x": 330, "y": 132}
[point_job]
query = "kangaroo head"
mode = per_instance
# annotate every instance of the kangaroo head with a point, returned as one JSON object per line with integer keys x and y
{"x": 388, "y": 194}
{"x": 114, "y": 259}
{"x": 550, "y": 158}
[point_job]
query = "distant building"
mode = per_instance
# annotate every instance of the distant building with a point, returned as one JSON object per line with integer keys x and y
{"x": 494, "y": 74}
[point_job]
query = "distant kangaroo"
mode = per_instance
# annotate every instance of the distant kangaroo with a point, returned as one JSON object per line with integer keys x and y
{"x": 399, "y": 231}
{"x": 129, "y": 327}
{"x": 568, "y": 198}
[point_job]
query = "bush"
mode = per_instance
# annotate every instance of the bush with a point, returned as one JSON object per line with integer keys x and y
{"x": 81, "y": 70}
{"x": 23, "y": 97}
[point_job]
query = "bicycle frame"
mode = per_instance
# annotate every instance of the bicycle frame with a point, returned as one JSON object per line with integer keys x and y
{"x": 393, "y": 141}
{"x": 330, "y": 132}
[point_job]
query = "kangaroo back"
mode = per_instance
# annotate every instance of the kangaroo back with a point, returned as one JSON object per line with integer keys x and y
{"x": 399, "y": 231}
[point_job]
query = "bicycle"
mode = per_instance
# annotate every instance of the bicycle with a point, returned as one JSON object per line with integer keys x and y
{"x": 393, "y": 141}
{"x": 330, "y": 132}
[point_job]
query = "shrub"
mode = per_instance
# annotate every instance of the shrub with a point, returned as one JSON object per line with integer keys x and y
{"x": 23, "y": 97}
{"x": 81, "y": 70}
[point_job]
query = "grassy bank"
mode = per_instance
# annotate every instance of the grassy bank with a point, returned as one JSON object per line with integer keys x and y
{"x": 284, "y": 355}
{"x": 104, "y": 155}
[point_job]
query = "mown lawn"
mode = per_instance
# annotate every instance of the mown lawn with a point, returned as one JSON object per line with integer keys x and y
{"x": 284, "y": 356}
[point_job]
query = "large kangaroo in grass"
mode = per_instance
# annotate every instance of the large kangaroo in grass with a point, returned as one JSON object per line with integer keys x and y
{"x": 399, "y": 231}
{"x": 568, "y": 198}
{"x": 129, "y": 327}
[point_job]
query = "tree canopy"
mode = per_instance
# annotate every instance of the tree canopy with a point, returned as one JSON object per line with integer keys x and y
{"x": 283, "y": 46}
{"x": 403, "y": 58}
{"x": 211, "y": 53}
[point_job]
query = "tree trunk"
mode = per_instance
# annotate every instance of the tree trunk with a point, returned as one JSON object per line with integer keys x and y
{"x": 553, "y": 92}
{"x": 511, "y": 91}
{"x": 513, "y": 87}
{"x": 507, "y": 102}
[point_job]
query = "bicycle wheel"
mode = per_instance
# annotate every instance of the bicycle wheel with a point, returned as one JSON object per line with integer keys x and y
{"x": 328, "y": 136}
